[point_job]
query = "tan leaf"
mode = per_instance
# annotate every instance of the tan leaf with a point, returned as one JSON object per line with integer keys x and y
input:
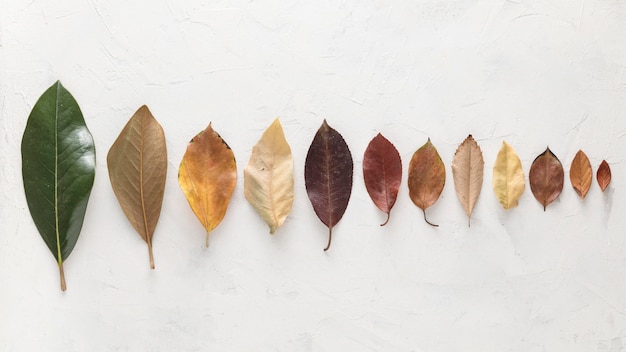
{"x": 508, "y": 177}
{"x": 604, "y": 175}
{"x": 580, "y": 174}
{"x": 427, "y": 176}
{"x": 546, "y": 178}
{"x": 467, "y": 171}
{"x": 207, "y": 175}
{"x": 268, "y": 178}
{"x": 137, "y": 163}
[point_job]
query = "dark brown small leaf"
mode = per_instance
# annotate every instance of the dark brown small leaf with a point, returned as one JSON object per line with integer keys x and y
{"x": 382, "y": 172}
{"x": 604, "y": 175}
{"x": 546, "y": 178}
{"x": 328, "y": 176}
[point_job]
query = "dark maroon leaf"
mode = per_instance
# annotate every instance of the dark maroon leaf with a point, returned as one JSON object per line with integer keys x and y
{"x": 328, "y": 176}
{"x": 382, "y": 172}
{"x": 546, "y": 178}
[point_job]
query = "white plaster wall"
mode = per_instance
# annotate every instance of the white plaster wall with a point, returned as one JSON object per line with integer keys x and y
{"x": 531, "y": 72}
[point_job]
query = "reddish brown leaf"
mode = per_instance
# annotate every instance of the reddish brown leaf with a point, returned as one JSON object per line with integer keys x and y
{"x": 546, "y": 178}
{"x": 580, "y": 174}
{"x": 604, "y": 175}
{"x": 427, "y": 176}
{"x": 382, "y": 172}
{"x": 328, "y": 176}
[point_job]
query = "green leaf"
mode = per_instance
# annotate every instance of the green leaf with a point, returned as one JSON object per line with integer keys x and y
{"x": 58, "y": 168}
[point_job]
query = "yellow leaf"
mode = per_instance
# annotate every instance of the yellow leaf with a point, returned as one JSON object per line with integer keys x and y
{"x": 508, "y": 177}
{"x": 207, "y": 175}
{"x": 268, "y": 178}
{"x": 467, "y": 170}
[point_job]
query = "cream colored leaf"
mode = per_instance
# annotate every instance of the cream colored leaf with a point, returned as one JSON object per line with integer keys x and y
{"x": 467, "y": 171}
{"x": 268, "y": 178}
{"x": 508, "y": 177}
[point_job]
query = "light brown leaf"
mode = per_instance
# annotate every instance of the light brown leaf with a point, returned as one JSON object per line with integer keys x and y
{"x": 137, "y": 163}
{"x": 508, "y": 177}
{"x": 546, "y": 178}
{"x": 427, "y": 177}
{"x": 604, "y": 175}
{"x": 207, "y": 175}
{"x": 467, "y": 171}
{"x": 268, "y": 178}
{"x": 580, "y": 174}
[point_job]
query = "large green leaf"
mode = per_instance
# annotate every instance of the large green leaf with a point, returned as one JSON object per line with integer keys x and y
{"x": 58, "y": 168}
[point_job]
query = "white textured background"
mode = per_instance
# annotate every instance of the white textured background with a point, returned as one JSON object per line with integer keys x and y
{"x": 532, "y": 72}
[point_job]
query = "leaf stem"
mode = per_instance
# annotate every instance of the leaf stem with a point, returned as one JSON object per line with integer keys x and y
{"x": 151, "y": 255}
{"x": 207, "y": 239}
{"x": 330, "y": 237}
{"x": 386, "y": 221}
{"x": 62, "y": 275}
{"x": 428, "y": 222}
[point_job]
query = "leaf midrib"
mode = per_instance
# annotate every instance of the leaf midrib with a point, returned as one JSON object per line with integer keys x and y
{"x": 56, "y": 176}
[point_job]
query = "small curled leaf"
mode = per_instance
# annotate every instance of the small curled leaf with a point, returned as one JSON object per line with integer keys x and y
{"x": 546, "y": 178}
{"x": 604, "y": 175}
{"x": 382, "y": 172}
{"x": 580, "y": 174}
{"x": 427, "y": 177}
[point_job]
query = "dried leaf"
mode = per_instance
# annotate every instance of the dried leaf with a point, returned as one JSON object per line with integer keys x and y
{"x": 137, "y": 163}
{"x": 328, "y": 176}
{"x": 58, "y": 169}
{"x": 546, "y": 178}
{"x": 382, "y": 172}
{"x": 467, "y": 171}
{"x": 268, "y": 178}
{"x": 427, "y": 176}
{"x": 604, "y": 175}
{"x": 207, "y": 175}
{"x": 580, "y": 174}
{"x": 508, "y": 177}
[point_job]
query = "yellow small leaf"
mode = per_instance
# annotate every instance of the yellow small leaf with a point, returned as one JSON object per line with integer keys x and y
{"x": 268, "y": 178}
{"x": 207, "y": 175}
{"x": 508, "y": 177}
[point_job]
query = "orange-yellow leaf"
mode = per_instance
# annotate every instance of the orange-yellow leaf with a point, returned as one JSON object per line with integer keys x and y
{"x": 207, "y": 175}
{"x": 427, "y": 176}
{"x": 580, "y": 174}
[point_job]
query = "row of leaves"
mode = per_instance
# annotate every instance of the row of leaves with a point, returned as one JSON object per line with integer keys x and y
{"x": 58, "y": 168}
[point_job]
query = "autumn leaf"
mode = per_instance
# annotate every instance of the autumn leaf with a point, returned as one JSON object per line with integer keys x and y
{"x": 382, "y": 172}
{"x": 137, "y": 163}
{"x": 508, "y": 177}
{"x": 580, "y": 174}
{"x": 58, "y": 170}
{"x": 328, "y": 176}
{"x": 427, "y": 176}
{"x": 467, "y": 171}
{"x": 207, "y": 175}
{"x": 604, "y": 175}
{"x": 268, "y": 178}
{"x": 546, "y": 178}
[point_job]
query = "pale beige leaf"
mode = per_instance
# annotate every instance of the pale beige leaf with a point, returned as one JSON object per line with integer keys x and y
{"x": 508, "y": 177}
{"x": 268, "y": 178}
{"x": 467, "y": 171}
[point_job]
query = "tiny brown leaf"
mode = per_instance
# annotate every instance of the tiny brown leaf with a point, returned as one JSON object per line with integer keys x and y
{"x": 604, "y": 175}
{"x": 580, "y": 174}
{"x": 546, "y": 178}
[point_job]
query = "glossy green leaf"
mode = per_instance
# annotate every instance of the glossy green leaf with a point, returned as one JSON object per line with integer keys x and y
{"x": 58, "y": 168}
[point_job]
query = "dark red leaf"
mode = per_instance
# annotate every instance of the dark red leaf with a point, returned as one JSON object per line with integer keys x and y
{"x": 546, "y": 178}
{"x": 382, "y": 172}
{"x": 604, "y": 175}
{"x": 328, "y": 176}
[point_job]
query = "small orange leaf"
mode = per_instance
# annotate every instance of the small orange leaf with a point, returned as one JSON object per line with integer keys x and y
{"x": 580, "y": 174}
{"x": 546, "y": 178}
{"x": 207, "y": 175}
{"x": 427, "y": 176}
{"x": 604, "y": 175}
